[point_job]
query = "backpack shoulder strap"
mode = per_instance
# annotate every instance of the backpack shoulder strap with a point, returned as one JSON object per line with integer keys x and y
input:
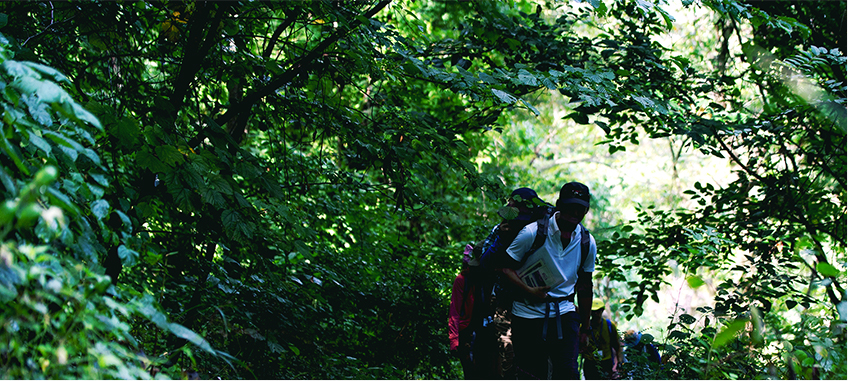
{"x": 606, "y": 336}
{"x": 584, "y": 247}
{"x": 541, "y": 236}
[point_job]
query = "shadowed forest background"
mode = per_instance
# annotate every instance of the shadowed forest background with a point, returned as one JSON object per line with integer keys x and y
{"x": 284, "y": 189}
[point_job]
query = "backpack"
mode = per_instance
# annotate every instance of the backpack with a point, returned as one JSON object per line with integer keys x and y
{"x": 606, "y": 337}
{"x": 653, "y": 352}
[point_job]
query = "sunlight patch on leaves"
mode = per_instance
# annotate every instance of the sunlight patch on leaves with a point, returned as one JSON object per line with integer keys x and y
{"x": 729, "y": 332}
{"x": 504, "y": 96}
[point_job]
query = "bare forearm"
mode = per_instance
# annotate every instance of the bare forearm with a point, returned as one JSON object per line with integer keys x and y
{"x": 584, "y": 298}
{"x": 515, "y": 280}
{"x": 534, "y": 293}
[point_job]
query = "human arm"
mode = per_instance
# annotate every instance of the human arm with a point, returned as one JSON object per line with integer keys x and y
{"x": 618, "y": 351}
{"x": 455, "y": 312}
{"x": 533, "y": 293}
{"x": 513, "y": 259}
{"x": 584, "y": 301}
{"x": 584, "y": 290}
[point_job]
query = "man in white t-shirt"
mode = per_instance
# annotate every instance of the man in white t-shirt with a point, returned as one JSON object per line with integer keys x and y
{"x": 546, "y": 326}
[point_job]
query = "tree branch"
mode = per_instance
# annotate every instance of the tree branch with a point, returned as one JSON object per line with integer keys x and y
{"x": 543, "y": 143}
{"x": 297, "y": 68}
{"x": 736, "y": 158}
{"x": 279, "y": 31}
{"x": 196, "y": 49}
{"x": 47, "y": 29}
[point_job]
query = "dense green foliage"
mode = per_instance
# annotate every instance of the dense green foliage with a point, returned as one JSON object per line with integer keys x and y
{"x": 62, "y": 317}
{"x": 289, "y": 183}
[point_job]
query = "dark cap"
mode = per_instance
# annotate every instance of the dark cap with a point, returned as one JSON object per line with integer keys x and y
{"x": 524, "y": 197}
{"x": 528, "y": 197}
{"x": 574, "y": 193}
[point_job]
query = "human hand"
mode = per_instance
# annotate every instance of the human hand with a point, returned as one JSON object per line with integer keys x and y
{"x": 584, "y": 342}
{"x": 539, "y": 293}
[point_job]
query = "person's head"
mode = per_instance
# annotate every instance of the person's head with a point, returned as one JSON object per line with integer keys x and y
{"x": 466, "y": 255}
{"x": 521, "y": 205}
{"x": 572, "y": 205}
{"x": 472, "y": 254}
{"x": 598, "y": 306}
{"x": 632, "y": 337}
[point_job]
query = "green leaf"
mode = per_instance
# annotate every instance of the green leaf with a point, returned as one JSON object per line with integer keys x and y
{"x": 504, "y": 96}
{"x": 40, "y": 111}
{"x": 182, "y": 196}
{"x": 17, "y": 70}
{"x": 678, "y": 335}
{"x": 4, "y": 20}
{"x": 13, "y": 153}
{"x": 729, "y": 332}
{"x": 70, "y": 152}
{"x": 694, "y": 281}
{"x": 63, "y": 140}
{"x": 687, "y": 319}
{"x": 579, "y": 117}
{"x": 127, "y": 131}
{"x": 535, "y": 111}
{"x": 40, "y": 143}
{"x": 213, "y": 197}
{"x": 220, "y": 184}
{"x": 827, "y": 269}
{"x": 93, "y": 156}
{"x": 128, "y": 256}
{"x": 145, "y": 159}
{"x": 47, "y": 70}
{"x": 100, "y": 179}
{"x": 62, "y": 201}
{"x": 169, "y": 155}
{"x": 508, "y": 212}
{"x": 185, "y": 333}
{"x": 303, "y": 249}
{"x": 100, "y": 208}
{"x": 230, "y": 219}
{"x": 125, "y": 220}
{"x": 85, "y": 116}
{"x": 46, "y": 91}
{"x": 603, "y": 126}
{"x": 487, "y": 78}
{"x": 526, "y": 78}
{"x": 192, "y": 177}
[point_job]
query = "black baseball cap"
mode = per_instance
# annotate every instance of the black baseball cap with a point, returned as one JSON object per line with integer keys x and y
{"x": 526, "y": 198}
{"x": 574, "y": 193}
{"x": 527, "y": 195}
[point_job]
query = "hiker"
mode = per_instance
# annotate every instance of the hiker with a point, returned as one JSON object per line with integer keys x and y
{"x": 641, "y": 356}
{"x": 465, "y": 314}
{"x": 523, "y": 207}
{"x": 545, "y": 324}
{"x": 604, "y": 355}
{"x": 478, "y": 331}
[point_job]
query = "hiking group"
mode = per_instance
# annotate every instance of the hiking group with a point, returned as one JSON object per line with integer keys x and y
{"x": 513, "y": 312}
